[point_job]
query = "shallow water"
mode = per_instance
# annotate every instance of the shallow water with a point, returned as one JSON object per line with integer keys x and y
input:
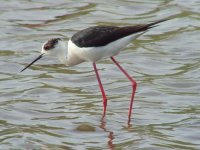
{"x": 50, "y": 106}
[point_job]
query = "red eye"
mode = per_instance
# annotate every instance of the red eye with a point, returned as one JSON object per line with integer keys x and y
{"x": 47, "y": 47}
{"x": 51, "y": 44}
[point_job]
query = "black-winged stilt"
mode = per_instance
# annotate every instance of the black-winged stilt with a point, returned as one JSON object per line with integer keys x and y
{"x": 93, "y": 44}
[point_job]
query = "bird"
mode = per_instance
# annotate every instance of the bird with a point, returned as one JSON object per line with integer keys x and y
{"x": 93, "y": 44}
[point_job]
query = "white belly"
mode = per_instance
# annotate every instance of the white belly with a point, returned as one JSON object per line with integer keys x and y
{"x": 96, "y": 53}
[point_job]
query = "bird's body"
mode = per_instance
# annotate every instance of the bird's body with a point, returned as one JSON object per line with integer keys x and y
{"x": 93, "y": 44}
{"x": 94, "y": 54}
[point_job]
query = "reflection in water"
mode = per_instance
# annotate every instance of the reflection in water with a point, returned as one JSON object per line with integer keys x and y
{"x": 110, "y": 133}
{"x": 110, "y": 142}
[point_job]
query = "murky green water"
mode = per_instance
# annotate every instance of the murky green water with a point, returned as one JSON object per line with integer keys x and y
{"x": 52, "y": 107}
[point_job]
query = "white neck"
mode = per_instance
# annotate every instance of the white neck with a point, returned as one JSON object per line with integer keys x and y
{"x": 67, "y": 58}
{"x": 62, "y": 55}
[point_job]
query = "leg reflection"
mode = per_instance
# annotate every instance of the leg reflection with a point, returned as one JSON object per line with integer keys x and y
{"x": 110, "y": 133}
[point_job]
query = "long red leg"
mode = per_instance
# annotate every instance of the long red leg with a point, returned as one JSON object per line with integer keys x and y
{"x": 134, "y": 86}
{"x": 102, "y": 90}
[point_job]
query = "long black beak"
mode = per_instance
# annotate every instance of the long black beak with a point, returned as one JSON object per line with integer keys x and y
{"x": 40, "y": 56}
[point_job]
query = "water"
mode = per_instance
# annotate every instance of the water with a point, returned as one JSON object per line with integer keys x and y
{"x": 52, "y": 107}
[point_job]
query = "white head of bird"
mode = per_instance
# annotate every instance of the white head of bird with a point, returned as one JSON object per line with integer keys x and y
{"x": 53, "y": 47}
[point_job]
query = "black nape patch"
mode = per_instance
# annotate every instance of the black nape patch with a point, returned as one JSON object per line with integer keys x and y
{"x": 51, "y": 43}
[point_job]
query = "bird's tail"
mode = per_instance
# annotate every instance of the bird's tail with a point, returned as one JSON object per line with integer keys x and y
{"x": 145, "y": 27}
{"x": 154, "y": 24}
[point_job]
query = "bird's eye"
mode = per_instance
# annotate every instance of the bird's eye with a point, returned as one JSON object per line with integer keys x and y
{"x": 47, "y": 47}
{"x": 51, "y": 44}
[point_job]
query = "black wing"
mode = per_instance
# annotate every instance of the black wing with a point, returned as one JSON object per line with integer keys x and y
{"x": 102, "y": 35}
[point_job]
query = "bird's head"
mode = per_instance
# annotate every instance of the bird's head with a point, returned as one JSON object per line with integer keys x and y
{"x": 54, "y": 47}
